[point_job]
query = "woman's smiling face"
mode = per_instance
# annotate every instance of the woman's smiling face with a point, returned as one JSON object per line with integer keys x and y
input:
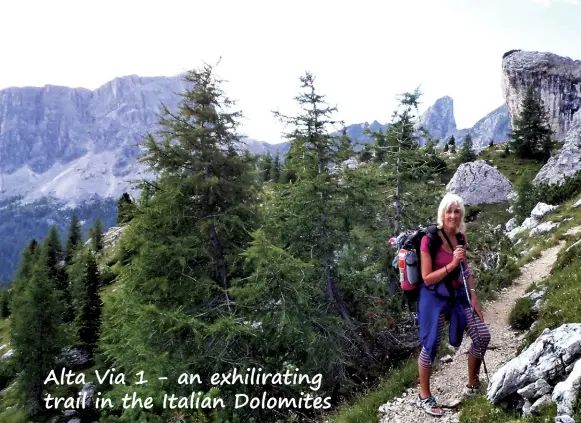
{"x": 452, "y": 218}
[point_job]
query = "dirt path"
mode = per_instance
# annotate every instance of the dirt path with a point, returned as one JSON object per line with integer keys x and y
{"x": 448, "y": 381}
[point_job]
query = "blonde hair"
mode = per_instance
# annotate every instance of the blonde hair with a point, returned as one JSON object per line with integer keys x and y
{"x": 448, "y": 201}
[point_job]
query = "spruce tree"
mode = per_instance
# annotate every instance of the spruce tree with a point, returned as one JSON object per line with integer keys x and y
{"x": 526, "y": 198}
{"x": 466, "y": 153}
{"x": 452, "y": 144}
{"x": 56, "y": 270}
{"x": 345, "y": 147}
{"x": 291, "y": 165}
{"x": 276, "y": 168}
{"x": 97, "y": 235}
{"x": 188, "y": 238}
{"x": 55, "y": 255}
{"x": 452, "y": 141}
{"x": 266, "y": 167}
{"x": 125, "y": 209}
{"x": 74, "y": 238}
{"x": 407, "y": 162}
{"x": 86, "y": 301}
{"x": 36, "y": 332}
{"x": 295, "y": 289}
{"x": 28, "y": 259}
{"x": 531, "y": 133}
{"x": 316, "y": 152}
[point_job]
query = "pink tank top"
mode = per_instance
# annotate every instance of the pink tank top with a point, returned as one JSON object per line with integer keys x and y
{"x": 442, "y": 259}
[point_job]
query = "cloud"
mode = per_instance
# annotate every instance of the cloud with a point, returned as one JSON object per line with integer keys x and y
{"x": 548, "y": 3}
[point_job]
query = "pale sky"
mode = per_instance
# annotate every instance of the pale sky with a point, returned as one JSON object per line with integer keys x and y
{"x": 362, "y": 52}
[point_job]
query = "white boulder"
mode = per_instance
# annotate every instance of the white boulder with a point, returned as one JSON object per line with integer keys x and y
{"x": 565, "y": 393}
{"x": 511, "y": 224}
{"x": 543, "y": 228}
{"x": 479, "y": 183}
{"x": 541, "y": 210}
{"x": 546, "y": 358}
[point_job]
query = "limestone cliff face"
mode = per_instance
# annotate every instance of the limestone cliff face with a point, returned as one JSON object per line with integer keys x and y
{"x": 557, "y": 79}
{"x": 73, "y": 143}
{"x": 439, "y": 119}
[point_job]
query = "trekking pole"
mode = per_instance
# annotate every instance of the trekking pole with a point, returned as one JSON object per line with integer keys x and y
{"x": 473, "y": 318}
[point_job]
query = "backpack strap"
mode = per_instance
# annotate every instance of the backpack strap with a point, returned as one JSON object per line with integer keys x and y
{"x": 434, "y": 241}
{"x": 447, "y": 279}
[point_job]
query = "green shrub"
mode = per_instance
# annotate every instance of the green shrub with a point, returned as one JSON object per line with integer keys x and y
{"x": 557, "y": 194}
{"x": 522, "y": 315}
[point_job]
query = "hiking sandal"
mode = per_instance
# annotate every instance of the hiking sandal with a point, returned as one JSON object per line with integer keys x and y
{"x": 472, "y": 391}
{"x": 430, "y": 406}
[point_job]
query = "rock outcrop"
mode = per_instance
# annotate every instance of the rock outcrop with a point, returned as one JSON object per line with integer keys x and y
{"x": 549, "y": 370}
{"x": 479, "y": 183}
{"x": 568, "y": 162}
{"x": 533, "y": 222}
{"x": 556, "y": 79}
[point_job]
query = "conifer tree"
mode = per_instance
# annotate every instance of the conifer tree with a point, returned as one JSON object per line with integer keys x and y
{"x": 56, "y": 270}
{"x": 466, "y": 153}
{"x": 295, "y": 289}
{"x": 316, "y": 152}
{"x": 36, "y": 332}
{"x": 86, "y": 302}
{"x": 452, "y": 141}
{"x": 531, "y": 133}
{"x": 525, "y": 200}
{"x": 74, "y": 238}
{"x": 125, "y": 209}
{"x": 28, "y": 259}
{"x": 55, "y": 255}
{"x": 291, "y": 165}
{"x": 452, "y": 144}
{"x": 407, "y": 162}
{"x": 96, "y": 233}
{"x": 188, "y": 239}
{"x": 276, "y": 168}
{"x": 345, "y": 147}
{"x": 266, "y": 167}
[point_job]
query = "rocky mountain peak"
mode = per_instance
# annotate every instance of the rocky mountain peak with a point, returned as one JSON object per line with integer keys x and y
{"x": 439, "y": 119}
{"x": 556, "y": 79}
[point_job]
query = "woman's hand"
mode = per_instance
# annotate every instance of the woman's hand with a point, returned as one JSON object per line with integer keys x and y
{"x": 459, "y": 256}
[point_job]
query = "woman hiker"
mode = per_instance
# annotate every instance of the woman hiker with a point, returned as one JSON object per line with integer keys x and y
{"x": 436, "y": 300}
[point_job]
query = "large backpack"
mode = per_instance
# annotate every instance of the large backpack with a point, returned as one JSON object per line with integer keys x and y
{"x": 408, "y": 266}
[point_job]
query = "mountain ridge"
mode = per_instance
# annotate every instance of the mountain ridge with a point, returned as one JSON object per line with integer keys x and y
{"x": 75, "y": 143}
